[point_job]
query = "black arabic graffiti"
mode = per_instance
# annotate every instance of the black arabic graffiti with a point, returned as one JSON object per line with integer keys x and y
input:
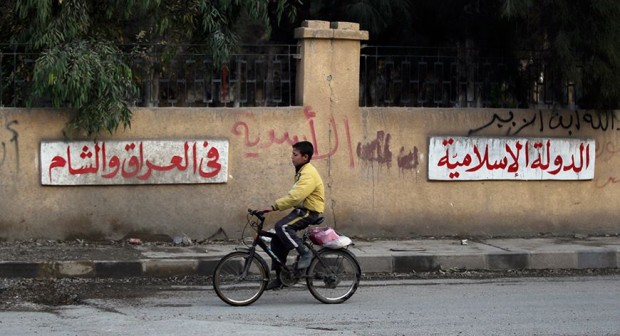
{"x": 14, "y": 139}
{"x": 378, "y": 150}
{"x": 407, "y": 160}
{"x": 572, "y": 121}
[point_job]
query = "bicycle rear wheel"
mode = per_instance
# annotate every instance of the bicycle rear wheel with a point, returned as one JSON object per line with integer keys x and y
{"x": 236, "y": 287}
{"x": 333, "y": 276}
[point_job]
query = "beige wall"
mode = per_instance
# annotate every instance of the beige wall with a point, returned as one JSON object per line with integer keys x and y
{"x": 368, "y": 194}
{"x": 415, "y": 205}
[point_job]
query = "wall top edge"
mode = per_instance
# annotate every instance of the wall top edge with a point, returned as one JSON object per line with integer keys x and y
{"x": 331, "y": 30}
{"x": 336, "y": 34}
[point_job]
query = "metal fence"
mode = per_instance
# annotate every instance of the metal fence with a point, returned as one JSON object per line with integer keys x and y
{"x": 258, "y": 76}
{"x": 15, "y": 72}
{"x": 265, "y": 76}
{"x": 451, "y": 77}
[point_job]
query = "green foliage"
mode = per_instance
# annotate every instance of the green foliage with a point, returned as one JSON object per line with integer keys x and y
{"x": 82, "y": 64}
{"x": 78, "y": 39}
{"x": 92, "y": 78}
{"x": 51, "y": 23}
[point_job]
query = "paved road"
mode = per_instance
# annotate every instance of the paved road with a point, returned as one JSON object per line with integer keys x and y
{"x": 525, "y": 306}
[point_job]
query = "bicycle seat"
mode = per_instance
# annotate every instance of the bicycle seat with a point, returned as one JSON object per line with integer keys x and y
{"x": 318, "y": 221}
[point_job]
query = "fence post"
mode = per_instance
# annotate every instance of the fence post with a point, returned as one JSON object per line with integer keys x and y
{"x": 328, "y": 70}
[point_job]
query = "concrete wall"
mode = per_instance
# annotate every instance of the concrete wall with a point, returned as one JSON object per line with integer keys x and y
{"x": 415, "y": 205}
{"x": 373, "y": 161}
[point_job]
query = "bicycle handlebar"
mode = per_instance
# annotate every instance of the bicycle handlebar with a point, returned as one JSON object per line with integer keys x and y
{"x": 257, "y": 213}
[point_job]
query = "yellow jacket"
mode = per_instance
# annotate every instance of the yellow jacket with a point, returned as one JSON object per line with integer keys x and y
{"x": 307, "y": 192}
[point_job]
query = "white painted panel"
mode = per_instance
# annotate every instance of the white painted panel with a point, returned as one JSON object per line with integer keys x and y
{"x": 482, "y": 158}
{"x": 134, "y": 162}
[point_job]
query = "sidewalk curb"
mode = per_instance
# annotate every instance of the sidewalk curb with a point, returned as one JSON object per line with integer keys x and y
{"x": 395, "y": 262}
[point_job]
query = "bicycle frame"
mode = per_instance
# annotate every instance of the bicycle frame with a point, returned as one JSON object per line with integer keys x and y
{"x": 258, "y": 241}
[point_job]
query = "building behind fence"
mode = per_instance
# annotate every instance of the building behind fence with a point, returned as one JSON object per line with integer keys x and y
{"x": 265, "y": 76}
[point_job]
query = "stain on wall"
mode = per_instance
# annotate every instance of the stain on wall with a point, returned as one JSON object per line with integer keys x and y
{"x": 9, "y": 146}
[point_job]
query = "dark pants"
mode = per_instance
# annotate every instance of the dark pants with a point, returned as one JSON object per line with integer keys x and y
{"x": 286, "y": 229}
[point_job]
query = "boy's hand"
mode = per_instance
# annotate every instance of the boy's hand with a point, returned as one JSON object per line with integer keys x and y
{"x": 266, "y": 210}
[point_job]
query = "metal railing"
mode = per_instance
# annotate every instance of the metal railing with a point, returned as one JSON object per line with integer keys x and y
{"x": 258, "y": 76}
{"x": 265, "y": 76}
{"x": 16, "y": 69}
{"x": 451, "y": 77}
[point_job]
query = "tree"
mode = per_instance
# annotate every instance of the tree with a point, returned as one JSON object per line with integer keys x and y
{"x": 376, "y": 16}
{"x": 82, "y": 62}
{"x": 581, "y": 37}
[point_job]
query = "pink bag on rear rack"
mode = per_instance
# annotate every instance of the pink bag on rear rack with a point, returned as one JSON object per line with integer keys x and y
{"x": 323, "y": 235}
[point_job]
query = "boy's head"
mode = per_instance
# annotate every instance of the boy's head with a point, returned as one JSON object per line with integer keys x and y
{"x": 304, "y": 148}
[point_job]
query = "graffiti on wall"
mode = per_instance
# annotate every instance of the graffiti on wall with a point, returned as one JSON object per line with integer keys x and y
{"x": 408, "y": 161}
{"x": 474, "y": 158}
{"x": 255, "y": 141}
{"x": 134, "y": 162}
{"x": 570, "y": 122}
{"x": 607, "y": 151}
{"x": 378, "y": 151}
{"x": 9, "y": 144}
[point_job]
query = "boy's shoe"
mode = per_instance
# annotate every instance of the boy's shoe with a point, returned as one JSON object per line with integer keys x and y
{"x": 305, "y": 257}
{"x": 274, "y": 284}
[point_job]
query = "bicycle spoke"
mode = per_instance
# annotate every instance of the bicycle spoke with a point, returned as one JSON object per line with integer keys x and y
{"x": 334, "y": 276}
{"x": 233, "y": 286}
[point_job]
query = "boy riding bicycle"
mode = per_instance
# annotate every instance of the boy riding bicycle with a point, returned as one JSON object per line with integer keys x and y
{"x": 307, "y": 198}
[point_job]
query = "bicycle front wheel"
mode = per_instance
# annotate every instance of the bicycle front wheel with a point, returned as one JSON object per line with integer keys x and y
{"x": 239, "y": 281}
{"x": 333, "y": 276}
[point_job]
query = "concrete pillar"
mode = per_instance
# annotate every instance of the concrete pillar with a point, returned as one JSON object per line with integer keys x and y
{"x": 328, "y": 71}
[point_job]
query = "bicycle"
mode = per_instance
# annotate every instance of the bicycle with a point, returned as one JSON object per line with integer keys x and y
{"x": 241, "y": 277}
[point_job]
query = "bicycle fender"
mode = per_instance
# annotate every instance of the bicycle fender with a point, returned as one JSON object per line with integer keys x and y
{"x": 343, "y": 249}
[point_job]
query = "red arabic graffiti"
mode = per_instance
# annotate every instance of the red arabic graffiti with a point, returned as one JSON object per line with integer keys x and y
{"x": 511, "y": 158}
{"x": 609, "y": 181}
{"x": 198, "y": 158}
{"x": 273, "y": 137}
{"x": 605, "y": 152}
